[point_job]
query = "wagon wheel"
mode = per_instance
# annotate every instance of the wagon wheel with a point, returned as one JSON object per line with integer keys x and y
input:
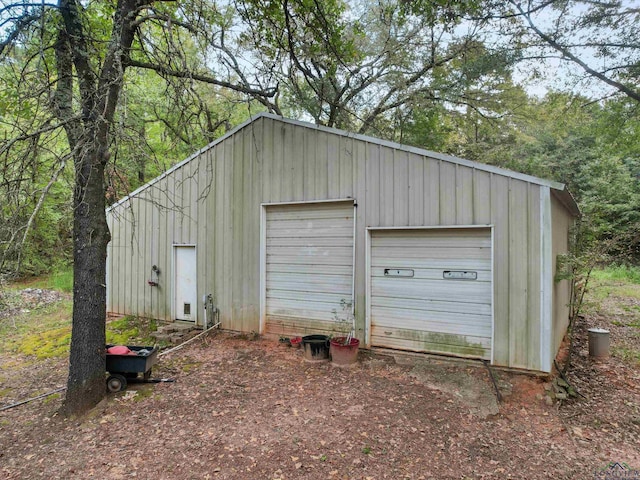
{"x": 147, "y": 375}
{"x": 116, "y": 383}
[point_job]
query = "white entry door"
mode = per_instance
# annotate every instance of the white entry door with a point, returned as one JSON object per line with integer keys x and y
{"x": 186, "y": 304}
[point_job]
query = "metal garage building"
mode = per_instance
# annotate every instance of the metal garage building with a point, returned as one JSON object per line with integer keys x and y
{"x": 283, "y": 222}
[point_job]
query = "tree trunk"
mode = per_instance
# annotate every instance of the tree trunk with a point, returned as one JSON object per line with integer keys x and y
{"x": 99, "y": 94}
{"x": 86, "y": 382}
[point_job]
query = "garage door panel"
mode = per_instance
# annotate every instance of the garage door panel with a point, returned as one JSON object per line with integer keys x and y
{"x": 427, "y": 312}
{"x": 285, "y": 325}
{"x": 324, "y": 283}
{"x": 437, "y": 242}
{"x": 442, "y": 322}
{"x": 299, "y": 309}
{"x": 305, "y": 259}
{"x": 441, "y": 264}
{"x": 432, "y": 273}
{"x": 320, "y": 269}
{"x": 310, "y": 297}
{"x": 431, "y": 289}
{"x": 284, "y": 241}
{"x": 435, "y": 305}
{"x": 421, "y": 341}
{"x": 309, "y": 250}
{"x": 309, "y": 265}
{"x": 448, "y": 233}
{"x": 306, "y": 226}
{"x": 427, "y": 253}
{"x": 309, "y": 211}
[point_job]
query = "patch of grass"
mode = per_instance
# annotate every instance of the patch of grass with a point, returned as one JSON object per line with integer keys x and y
{"x": 190, "y": 366}
{"x": 43, "y": 332}
{"x": 627, "y": 354}
{"x": 633, "y": 323}
{"x": 47, "y": 344}
{"x": 51, "y": 398}
{"x": 613, "y": 281}
{"x": 142, "y": 393}
{"x": 623, "y": 273}
{"x": 46, "y": 332}
{"x": 131, "y": 330}
{"x": 366, "y": 450}
{"x": 60, "y": 280}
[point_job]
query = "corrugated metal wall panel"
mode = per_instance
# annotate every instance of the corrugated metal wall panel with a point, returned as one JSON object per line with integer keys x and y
{"x": 448, "y": 190}
{"x": 400, "y": 188}
{"x": 164, "y": 196}
{"x": 464, "y": 195}
{"x": 533, "y": 324}
{"x": 309, "y": 266}
{"x": 500, "y": 220}
{"x": 386, "y": 187}
{"x": 431, "y": 195}
{"x": 427, "y": 312}
{"x": 372, "y": 185}
{"x": 321, "y": 164}
{"x": 416, "y": 190}
{"x": 481, "y": 198}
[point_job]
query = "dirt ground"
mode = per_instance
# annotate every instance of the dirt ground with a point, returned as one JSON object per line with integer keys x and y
{"x": 253, "y": 409}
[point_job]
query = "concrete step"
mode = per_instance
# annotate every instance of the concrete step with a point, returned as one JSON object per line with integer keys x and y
{"x": 174, "y": 333}
{"x": 161, "y": 337}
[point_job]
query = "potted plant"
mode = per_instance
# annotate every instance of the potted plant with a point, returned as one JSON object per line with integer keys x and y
{"x": 344, "y": 348}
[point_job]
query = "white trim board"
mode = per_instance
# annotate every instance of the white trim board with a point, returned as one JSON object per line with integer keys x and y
{"x": 546, "y": 280}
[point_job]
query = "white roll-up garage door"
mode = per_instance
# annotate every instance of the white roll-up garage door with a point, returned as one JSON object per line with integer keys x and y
{"x": 309, "y": 266}
{"x": 431, "y": 290}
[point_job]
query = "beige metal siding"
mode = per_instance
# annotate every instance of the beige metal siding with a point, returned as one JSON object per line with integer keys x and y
{"x": 215, "y": 197}
{"x": 427, "y": 312}
{"x": 308, "y": 266}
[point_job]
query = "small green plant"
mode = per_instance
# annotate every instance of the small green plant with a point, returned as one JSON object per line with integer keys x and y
{"x": 366, "y": 450}
{"x": 323, "y": 458}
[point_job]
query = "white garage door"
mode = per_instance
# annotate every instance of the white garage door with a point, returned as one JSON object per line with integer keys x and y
{"x": 431, "y": 291}
{"x": 309, "y": 266}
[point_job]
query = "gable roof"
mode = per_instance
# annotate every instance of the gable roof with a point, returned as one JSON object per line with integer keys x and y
{"x": 559, "y": 189}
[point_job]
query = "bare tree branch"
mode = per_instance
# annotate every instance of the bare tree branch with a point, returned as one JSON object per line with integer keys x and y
{"x": 566, "y": 54}
{"x": 168, "y": 72}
